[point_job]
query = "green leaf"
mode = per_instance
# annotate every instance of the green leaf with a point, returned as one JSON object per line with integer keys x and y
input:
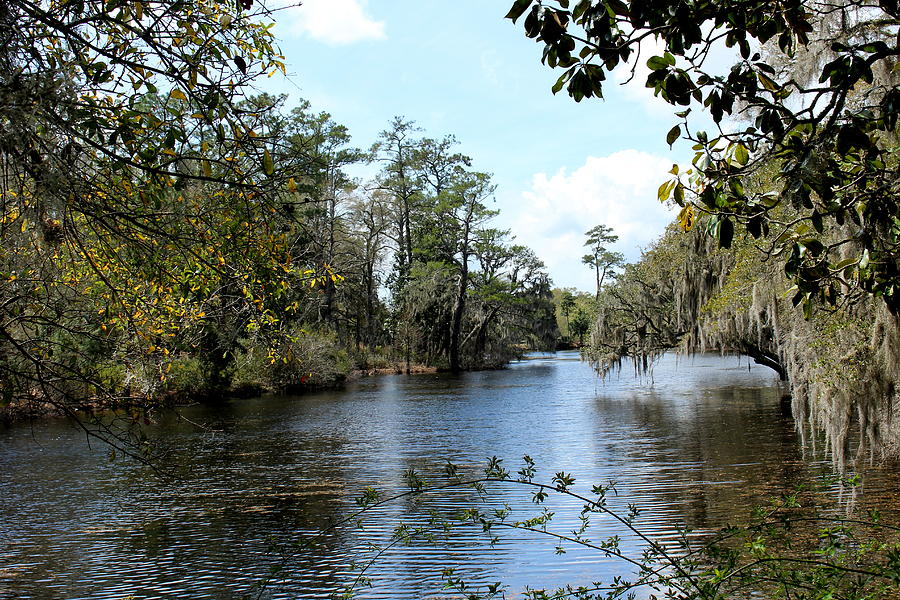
{"x": 563, "y": 79}
{"x": 673, "y": 135}
{"x": 517, "y": 9}
{"x": 657, "y": 63}
{"x": 741, "y": 155}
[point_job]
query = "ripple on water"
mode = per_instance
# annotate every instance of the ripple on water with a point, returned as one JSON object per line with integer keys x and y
{"x": 698, "y": 443}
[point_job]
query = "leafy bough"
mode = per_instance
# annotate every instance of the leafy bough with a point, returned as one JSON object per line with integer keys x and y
{"x": 786, "y": 550}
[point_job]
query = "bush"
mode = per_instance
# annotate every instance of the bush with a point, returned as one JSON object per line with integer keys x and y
{"x": 304, "y": 360}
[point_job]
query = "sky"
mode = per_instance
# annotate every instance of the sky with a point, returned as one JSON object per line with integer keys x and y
{"x": 460, "y": 68}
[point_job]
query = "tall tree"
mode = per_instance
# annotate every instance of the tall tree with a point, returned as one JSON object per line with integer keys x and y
{"x": 601, "y": 259}
{"x": 396, "y": 151}
{"x": 462, "y": 213}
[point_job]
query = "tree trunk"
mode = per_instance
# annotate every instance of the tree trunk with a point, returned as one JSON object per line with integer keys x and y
{"x": 460, "y": 305}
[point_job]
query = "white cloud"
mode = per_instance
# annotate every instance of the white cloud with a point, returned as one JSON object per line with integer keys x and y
{"x": 335, "y": 22}
{"x": 618, "y": 190}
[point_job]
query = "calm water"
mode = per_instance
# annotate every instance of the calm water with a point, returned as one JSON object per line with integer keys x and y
{"x": 700, "y": 443}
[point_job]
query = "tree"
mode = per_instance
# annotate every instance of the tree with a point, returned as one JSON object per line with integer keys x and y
{"x": 127, "y": 165}
{"x": 602, "y": 259}
{"x": 396, "y": 150}
{"x": 462, "y": 214}
{"x": 581, "y": 324}
{"x": 369, "y": 215}
{"x": 813, "y": 91}
{"x": 566, "y": 304}
{"x": 318, "y": 150}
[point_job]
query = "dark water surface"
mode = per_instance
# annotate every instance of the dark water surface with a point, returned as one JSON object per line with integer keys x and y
{"x": 700, "y": 443}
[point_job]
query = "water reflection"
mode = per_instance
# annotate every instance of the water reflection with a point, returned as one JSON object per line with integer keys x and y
{"x": 700, "y": 443}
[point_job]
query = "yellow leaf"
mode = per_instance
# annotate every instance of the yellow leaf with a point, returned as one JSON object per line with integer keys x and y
{"x": 267, "y": 163}
{"x": 176, "y": 93}
{"x": 687, "y": 218}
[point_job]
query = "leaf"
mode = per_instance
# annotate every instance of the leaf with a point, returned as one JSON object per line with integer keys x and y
{"x": 726, "y": 233}
{"x": 673, "y": 135}
{"x": 768, "y": 83}
{"x": 687, "y": 218}
{"x": 741, "y": 154}
{"x": 679, "y": 194}
{"x": 268, "y": 164}
{"x": 178, "y": 94}
{"x": 563, "y": 79}
{"x": 665, "y": 190}
{"x": 517, "y": 9}
{"x": 657, "y": 63}
{"x": 618, "y": 8}
{"x": 241, "y": 64}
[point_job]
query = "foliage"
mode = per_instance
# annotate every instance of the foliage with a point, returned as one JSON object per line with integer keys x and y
{"x": 304, "y": 359}
{"x": 135, "y": 194}
{"x": 688, "y": 294}
{"x": 813, "y": 90}
{"x": 602, "y": 259}
{"x": 463, "y": 295}
{"x": 796, "y": 186}
{"x": 575, "y": 313}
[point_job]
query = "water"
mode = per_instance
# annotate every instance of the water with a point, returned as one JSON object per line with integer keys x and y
{"x": 700, "y": 443}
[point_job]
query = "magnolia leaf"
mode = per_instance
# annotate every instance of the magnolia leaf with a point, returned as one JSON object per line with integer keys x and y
{"x": 267, "y": 164}
{"x": 517, "y": 9}
{"x": 673, "y": 135}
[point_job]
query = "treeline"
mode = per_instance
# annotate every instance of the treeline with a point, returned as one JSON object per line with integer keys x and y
{"x": 164, "y": 232}
{"x": 210, "y": 288}
{"x": 408, "y": 267}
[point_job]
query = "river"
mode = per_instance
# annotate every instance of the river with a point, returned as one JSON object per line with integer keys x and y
{"x": 699, "y": 443}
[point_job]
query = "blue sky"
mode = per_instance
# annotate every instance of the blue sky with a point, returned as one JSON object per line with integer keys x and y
{"x": 460, "y": 68}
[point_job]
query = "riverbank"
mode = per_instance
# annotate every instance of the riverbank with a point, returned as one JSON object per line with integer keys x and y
{"x": 32, "y": 407}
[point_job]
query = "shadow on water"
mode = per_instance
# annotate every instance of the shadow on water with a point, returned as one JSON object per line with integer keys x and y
{"x": 700, "y": 444}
